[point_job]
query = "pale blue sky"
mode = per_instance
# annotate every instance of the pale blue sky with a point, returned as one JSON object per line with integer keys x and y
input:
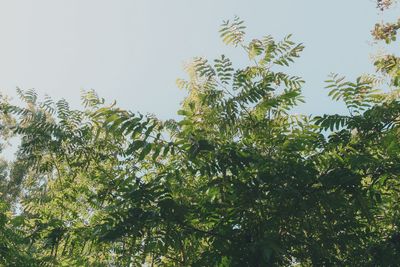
{"x": 133, "y": 51}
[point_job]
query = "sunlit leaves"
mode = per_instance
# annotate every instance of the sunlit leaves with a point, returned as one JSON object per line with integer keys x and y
{"x": 357, "y": 96}
{"x": 286, "y": 51}
{"x": 389, "y": 65}
{"x": 232, "y": 32}
{"x": 224, "y": 69}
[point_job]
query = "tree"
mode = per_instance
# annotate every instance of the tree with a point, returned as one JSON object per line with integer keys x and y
{"x": 238, "y": 180}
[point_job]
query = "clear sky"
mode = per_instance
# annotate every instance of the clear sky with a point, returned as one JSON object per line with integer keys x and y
{"x": 133, "y": 51}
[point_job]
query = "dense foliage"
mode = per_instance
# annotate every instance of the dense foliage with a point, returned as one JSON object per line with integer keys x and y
{"x": 238, "y": 180}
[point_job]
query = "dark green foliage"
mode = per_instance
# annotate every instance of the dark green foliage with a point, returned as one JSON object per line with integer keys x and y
{"x": 238, "y": 180}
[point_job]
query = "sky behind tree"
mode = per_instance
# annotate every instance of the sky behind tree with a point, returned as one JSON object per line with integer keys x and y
{"x": 133, "y": 51}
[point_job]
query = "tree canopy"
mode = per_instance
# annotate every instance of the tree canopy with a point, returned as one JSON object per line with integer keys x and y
{"x": 237, "y": 180}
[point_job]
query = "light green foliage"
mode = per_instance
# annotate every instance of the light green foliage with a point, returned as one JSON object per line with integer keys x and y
{"x": 237, "y": 180}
